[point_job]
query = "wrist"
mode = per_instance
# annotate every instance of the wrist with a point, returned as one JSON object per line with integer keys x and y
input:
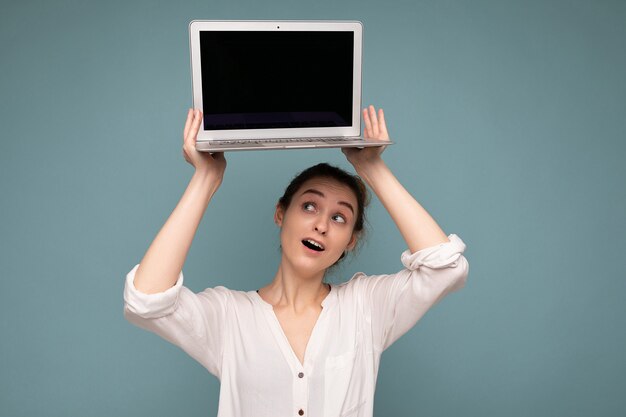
{"x": 209, "y": 179}
{"x": 369, "y": 170}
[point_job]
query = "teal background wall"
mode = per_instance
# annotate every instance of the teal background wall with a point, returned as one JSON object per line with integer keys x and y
{"x": 509, "y": 118}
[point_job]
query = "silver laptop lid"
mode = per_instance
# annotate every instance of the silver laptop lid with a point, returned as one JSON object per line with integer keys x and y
{"x": 276, "y": 79}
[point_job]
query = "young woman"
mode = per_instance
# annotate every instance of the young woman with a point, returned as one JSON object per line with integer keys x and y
{"x": 298, "y": 346}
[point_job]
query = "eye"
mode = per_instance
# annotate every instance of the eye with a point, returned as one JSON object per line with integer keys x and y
{"x": 308, "y": 206}
{"x": 339, "y": 218}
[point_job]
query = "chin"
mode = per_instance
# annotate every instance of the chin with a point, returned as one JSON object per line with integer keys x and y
{"x": 309, "y": 266}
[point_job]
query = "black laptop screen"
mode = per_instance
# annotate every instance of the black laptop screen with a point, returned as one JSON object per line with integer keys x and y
{"x": 272, "y": 80}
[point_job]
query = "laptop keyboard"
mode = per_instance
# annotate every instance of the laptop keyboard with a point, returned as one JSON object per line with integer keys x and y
{"x": 277, "y": 141}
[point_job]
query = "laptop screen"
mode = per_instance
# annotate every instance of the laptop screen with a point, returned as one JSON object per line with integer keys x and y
{"x": 273, "y": 80}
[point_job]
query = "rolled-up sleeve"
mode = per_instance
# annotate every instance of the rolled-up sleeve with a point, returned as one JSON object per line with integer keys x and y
{"x": 394, "y": 303}
{"x": 193, "y": 322}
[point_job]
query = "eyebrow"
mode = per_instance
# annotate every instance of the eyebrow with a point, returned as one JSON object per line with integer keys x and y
{"x": 321, "y": 194}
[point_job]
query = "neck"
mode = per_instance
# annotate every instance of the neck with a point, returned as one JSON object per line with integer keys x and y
{"x": 295, "y": 291}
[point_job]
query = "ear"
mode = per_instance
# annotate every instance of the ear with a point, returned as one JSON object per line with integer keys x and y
{"x": 353, "y": 241}
{"x": 278, "y": 215}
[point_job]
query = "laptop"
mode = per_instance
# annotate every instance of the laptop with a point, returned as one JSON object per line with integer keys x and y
{"x": 277, "y": 84}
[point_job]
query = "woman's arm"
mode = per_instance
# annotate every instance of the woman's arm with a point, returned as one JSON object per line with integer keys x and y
{"x": 162, "y": 263}
{"x": 417, "y": 227}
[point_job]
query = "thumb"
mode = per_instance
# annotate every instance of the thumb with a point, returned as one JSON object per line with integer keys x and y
{"x": 348, "y": 152}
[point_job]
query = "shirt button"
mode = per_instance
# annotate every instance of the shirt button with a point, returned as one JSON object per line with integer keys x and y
{"x": 301, "y": 375}
{"x": 301, "y": 412}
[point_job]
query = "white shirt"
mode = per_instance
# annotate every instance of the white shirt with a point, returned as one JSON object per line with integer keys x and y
{"x": 236, "y": 336}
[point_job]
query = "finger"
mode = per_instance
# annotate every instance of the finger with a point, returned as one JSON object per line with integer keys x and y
{"x": 382, "y": 124}
{"x": 197, "y": 119}
{"x": 188, "y": 123}
{"x": 368, "y": 124}
{"x": 374, "y": 119}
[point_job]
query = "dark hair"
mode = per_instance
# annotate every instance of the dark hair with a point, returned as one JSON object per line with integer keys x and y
{"x": 324, "y": 170}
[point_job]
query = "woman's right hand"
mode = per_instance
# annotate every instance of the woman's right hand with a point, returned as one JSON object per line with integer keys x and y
{"x": 212, "y": 164}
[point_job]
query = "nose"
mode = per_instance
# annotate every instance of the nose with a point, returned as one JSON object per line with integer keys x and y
{"x": 321, "y": 226}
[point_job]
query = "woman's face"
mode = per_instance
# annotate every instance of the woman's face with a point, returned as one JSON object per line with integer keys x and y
{"x": 317, "y": 226}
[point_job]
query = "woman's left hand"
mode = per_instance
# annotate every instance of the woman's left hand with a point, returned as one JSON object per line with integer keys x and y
{"x": 376, "y": 129}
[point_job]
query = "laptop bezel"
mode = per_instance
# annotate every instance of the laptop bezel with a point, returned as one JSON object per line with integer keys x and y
{"x": 197, "y": 26}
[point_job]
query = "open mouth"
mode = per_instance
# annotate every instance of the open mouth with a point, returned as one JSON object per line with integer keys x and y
{"x": 313, "y": 245}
